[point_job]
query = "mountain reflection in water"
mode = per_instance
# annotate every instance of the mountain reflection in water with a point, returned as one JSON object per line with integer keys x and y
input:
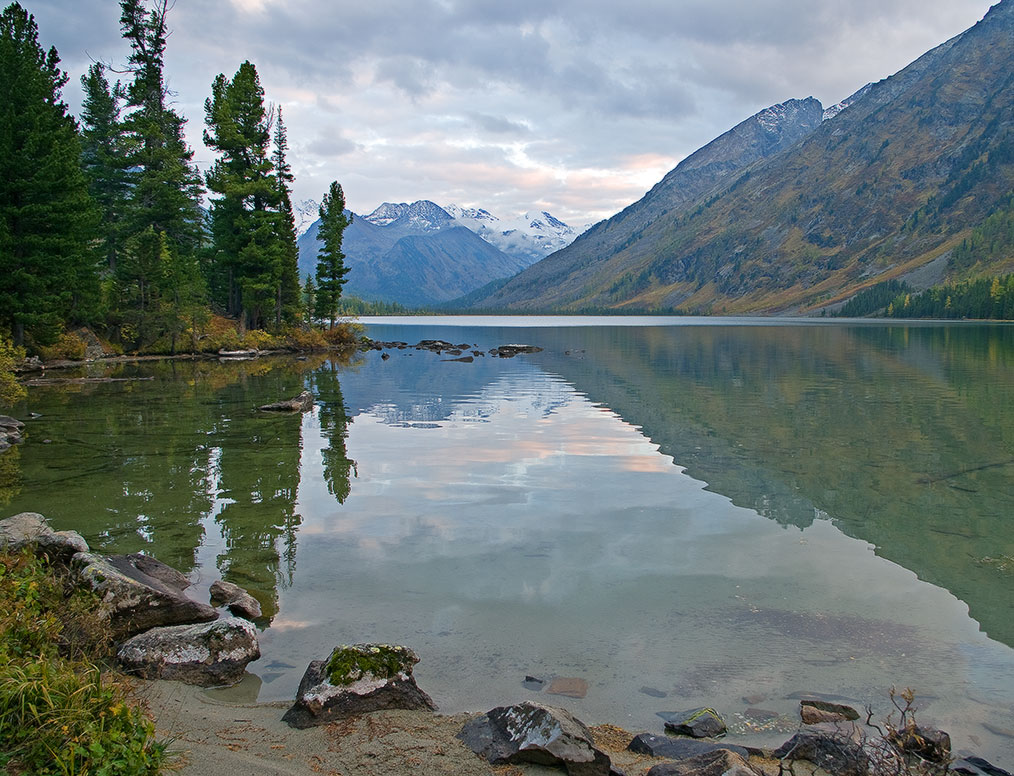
{"x": 592, "y": 510}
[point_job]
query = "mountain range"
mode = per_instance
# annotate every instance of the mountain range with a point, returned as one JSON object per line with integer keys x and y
{"x": 421, "y": 254}
{"x": 798, "y": 208}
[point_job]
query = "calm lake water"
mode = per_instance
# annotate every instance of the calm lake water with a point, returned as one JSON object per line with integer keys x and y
{"x": 704, "y": 508}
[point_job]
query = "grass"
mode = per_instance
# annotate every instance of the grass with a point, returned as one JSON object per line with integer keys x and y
{"x": 60, "y": 713}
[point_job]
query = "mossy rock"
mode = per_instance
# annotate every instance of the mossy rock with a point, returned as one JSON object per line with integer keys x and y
{"x": 349, "y": 664}
{"x": 355, "y": 680}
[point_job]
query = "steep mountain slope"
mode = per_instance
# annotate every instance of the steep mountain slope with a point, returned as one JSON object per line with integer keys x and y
{"x": 884, "y": 188}
{"x": 414, "y": 255}
{"x": 562, "y": 277}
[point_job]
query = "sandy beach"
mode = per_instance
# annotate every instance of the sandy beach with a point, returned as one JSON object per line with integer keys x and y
{"x": 211, "y": 738}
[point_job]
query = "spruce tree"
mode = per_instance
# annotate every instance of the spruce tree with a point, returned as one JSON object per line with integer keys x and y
{"x": 331, "y": 269}
{"x": 247, "y": 253}
{"x": 104, "y": 157}
{"x": 47, "y": 219}
{"x": 288, "y": 300}
{"x": 165, "y": 187}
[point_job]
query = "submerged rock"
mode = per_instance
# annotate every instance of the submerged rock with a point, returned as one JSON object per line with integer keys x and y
{"x": 570, "y": 686}
{"x": 301, "y": 403}
{"x": 977, "y": 766}
{"x": 533, "y": 733}
{"x": 696, "y": 723}
{"x": 356, "y": 680}
{"x": 32, "y": 529}
{"x": 716, "y": 763}
{"x": 206, "y": 654}
{"x": 814, "y": 712}
{"x": 135, "y": 596}
{"x": 238, "y": 601}
{"x": 679, "y": 748}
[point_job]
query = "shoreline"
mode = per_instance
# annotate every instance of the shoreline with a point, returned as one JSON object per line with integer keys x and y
{"x": 212, "y": 737}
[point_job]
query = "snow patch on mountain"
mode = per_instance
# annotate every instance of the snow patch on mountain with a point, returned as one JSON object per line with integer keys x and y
{"x": 834, "y": 110}
{"x": 305, "y": 213}
{"x": 531, "y": 236}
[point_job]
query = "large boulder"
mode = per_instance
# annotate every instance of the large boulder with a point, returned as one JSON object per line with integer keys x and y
{"x": 696, "y": 723}
{"x": 835, "y": 748}
{"x": 533, "y": 733}
{"x": 206, "y": 654}
{"x": 679, "y": 748}
{"x": 237, "y": 600}
{"x": 31, "y": 529}
{"x": 720, "y": 762}
{"x": 356, "y": 680}
{"x": 136, "y": 594}
{"x": 300, "y": 403}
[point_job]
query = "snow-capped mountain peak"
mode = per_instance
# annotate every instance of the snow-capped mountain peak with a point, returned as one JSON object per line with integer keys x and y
{"x": 531, "y": 236}
{"x": 421, "y": 216}
{"x": 305, "y": 213}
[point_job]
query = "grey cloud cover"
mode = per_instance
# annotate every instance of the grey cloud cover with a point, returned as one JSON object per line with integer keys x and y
{"x": 575, "y": 106}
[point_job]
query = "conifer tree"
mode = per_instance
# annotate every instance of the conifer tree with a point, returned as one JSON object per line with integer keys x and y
{"x": 165, "y": 187}
{"x": 248, "y": 244}
{"x": 47, "y": 264}
{"x": 331, "y": 269}
{"x": 104, "y": 157}
{"x": 288, "y": 301}
{"x": 309, "y": 301}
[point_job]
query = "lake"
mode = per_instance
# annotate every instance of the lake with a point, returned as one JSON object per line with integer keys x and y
{"x": 682, "y": 512}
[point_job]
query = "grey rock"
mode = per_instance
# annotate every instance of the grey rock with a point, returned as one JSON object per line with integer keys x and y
{"x": 509, "y": 351}
{"x": 32, "y": 529}
{"x": 435, "y": 345}
{"x": 238, "y": 600}
{"x": 533, "y": 683}
{"x": 93, "y": 345}
{"x": 679, "y": 748}
{"x": 814, "y": 712}
{"x": 977, "y": 766}
{"x": 300, "y": 403}
{"x": 356, "y": 680}
{"x": 206, "y": 654}
{"x": 833, "y": 748}
{"x": 534, "y": 733}
{"x": 696, "y": 723}
{"x": 11, "y": 424}
{"x": 716, "y": 763}
{"x": 153, "y": 567}
{"x": 134, "y": 600}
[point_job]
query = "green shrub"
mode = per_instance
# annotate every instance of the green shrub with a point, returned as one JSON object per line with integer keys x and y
{"x": 68, "y": 347}
{"x": 58, "y": 713}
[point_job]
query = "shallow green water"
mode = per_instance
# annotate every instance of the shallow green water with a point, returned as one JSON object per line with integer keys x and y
{"x": 707, "y": 511}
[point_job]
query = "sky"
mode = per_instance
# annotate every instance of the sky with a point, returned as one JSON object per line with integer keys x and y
{"x": 576, "y": 107}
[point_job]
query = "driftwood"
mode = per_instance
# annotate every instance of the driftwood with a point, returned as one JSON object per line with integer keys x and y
{"x": 82, "y": 380}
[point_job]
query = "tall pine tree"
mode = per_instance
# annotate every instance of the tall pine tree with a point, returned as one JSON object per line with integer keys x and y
{"x": 104, "y": 156}
{"x": 252, "y": 225}
{"x": 165, "y": 187}
{"x": 47, "y": 219}
{"x": 331, "y": 269}
{"x": 288, "y": 308}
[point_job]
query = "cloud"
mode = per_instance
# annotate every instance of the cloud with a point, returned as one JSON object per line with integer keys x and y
{"x": 555, "y": 104}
